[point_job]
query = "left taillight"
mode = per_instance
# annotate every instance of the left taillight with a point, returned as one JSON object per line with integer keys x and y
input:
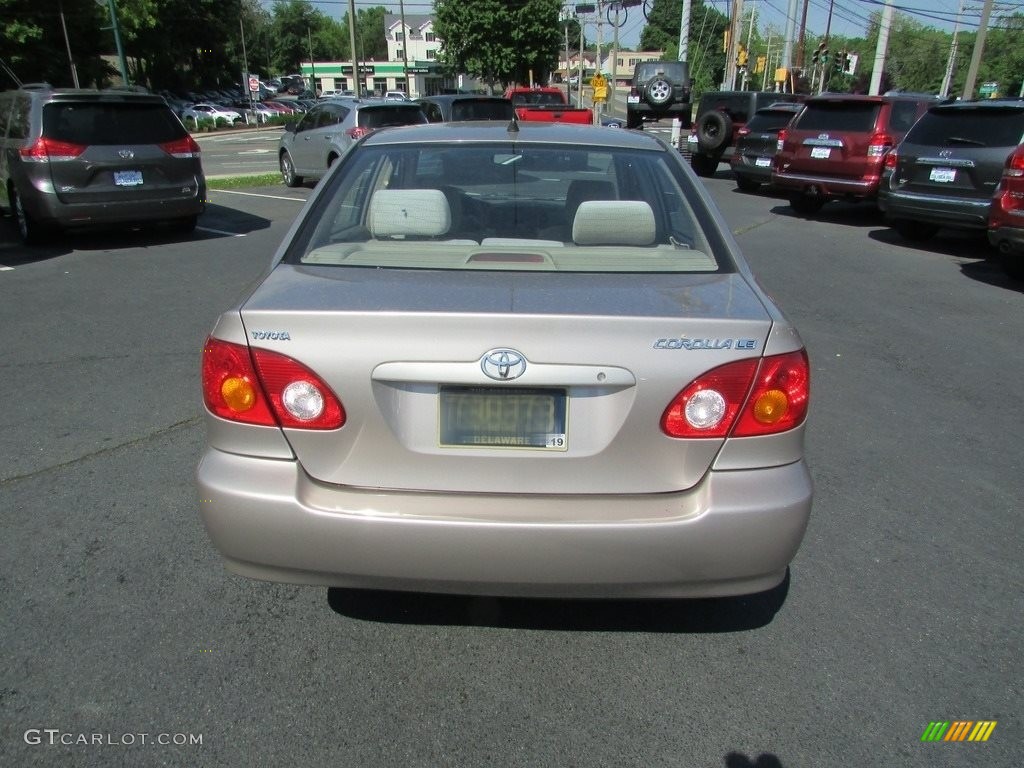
{"x": 183, "y": 148}
{"x": 744, "y": 398}
{"x": 45, "y": 150}
{"x": 266, "y": 388}
{"x": 358, "y": 132}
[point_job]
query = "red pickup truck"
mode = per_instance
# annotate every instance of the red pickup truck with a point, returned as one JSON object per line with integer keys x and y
{"x": 547, "y": 104}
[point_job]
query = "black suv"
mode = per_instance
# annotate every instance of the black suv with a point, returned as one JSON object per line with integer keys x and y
{"x": 660, "y": 89}
{"x": 73, "y": 158}
{"x": 720, "y": 115}
{"x": 947, "y": 168}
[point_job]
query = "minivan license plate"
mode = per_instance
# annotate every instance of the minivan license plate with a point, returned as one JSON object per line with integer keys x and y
{"x": 513, "y": 417}
{"x": 127, "y": 178}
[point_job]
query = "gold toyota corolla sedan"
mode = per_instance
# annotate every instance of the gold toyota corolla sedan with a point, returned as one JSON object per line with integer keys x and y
{"x": 508, "y": 359}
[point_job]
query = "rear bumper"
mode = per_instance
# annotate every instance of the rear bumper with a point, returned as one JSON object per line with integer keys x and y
{"x": 943, "y": 211}
{"x": 734, "y": 533}
{"x": 1008, "y": 238}
{"x": 825, "y": 186}
{"x": 746, "y": 166}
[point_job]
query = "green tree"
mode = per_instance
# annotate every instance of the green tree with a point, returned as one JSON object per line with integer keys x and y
{"x": 499, "y": 42}
{"x": 32, "y": 42}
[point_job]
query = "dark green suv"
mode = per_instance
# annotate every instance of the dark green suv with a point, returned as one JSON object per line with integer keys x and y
{"x": 720, "y": 115}
{"x": 659, "y": 89}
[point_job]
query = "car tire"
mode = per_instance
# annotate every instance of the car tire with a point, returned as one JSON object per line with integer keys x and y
{"x": 633, "y": 120}
{"x": 915, "y": 231}
{"x": 806, "y": 204}
{"x": 288, "y": 171}
{"x": 658, "y": 91}
{"x": 743, "y": 184}
{"x": 28, "y": 228}
{"x": 704, "y": 166}
{"x": 714, "y": 131}
{"x": 1012, "y": 264}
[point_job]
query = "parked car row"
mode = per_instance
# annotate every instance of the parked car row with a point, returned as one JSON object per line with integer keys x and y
{"x": 927, "y": 164}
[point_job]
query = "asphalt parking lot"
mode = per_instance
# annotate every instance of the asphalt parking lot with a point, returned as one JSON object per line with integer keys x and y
{"x": 902, "y": 607}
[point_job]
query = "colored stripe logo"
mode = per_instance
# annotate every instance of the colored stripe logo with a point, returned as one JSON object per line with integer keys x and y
{"x": 959, "y": 730}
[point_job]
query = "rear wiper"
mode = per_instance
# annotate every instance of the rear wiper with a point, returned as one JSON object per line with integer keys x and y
{"x": 964, "y": 140}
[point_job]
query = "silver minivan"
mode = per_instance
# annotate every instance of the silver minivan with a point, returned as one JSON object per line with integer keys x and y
{"x": 73, "y": 158}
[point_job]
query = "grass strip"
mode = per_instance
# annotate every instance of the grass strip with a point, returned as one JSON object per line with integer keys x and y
{"x": 235, "y": 182}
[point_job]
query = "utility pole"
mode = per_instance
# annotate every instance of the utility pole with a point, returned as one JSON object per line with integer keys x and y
{"x": 612, "y": 109}
{"x": 67, "y": 42}
{"x": 750, "y": 38}
{"x": 568, "y": 86}
{"x": 579, "y": 83}
{"x": 735, "y": 30}
{"x": 880, "y": 49}
{"x": 801, "y": 40}
{"x": 405, "y": 49}
{"x": 356, "y": 87}
{"x": 312, "y": 65}
{"x": 947, "y": 80}
{"x": 767, "y": 63}
{"x": 979, "y": 47}
{"x": 117, "y": 39}
{"x": 787, "y": 45}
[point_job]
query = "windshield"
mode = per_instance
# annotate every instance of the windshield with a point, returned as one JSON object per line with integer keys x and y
{"x": 858, "y": 116}
{"x": 979, "y": 127}
{"x": 483, "y": 109}
{"x": 392, "y": 114}
{"x": 509, "y": 207}
{"x": 538, "y": 97}
{"x": 105, "y": 123}
{"x": 769, "y": 121}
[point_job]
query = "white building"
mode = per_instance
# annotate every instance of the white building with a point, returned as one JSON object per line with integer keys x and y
{"x": 416, "y": 42}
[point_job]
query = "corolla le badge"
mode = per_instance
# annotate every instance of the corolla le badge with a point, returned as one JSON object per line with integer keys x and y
{"x": 126, "y": 154}
{"x": 503, "y": 364}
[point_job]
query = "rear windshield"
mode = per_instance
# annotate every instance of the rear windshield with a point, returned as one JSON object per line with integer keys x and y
{"x": 482, "y": 110}
{"x": 973, "y": 127}
{"x": 511, "y": 207}
{"x": 537, "y": 97}
{"x": 769, "y": 121}
{"x": 385, "y": 115}
{"x": 670, "y": 69}
{"x": 859, "y": 116}
{"x": 110, "y": 123}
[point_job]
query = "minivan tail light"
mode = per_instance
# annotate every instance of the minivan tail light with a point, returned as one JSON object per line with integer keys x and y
{"x": 879, "y": 144}
{"x": 183, "y": 148}
{"x": 45, "y": 150}
{"x": 745, "y": 398}
{"x": 266, "y": 388}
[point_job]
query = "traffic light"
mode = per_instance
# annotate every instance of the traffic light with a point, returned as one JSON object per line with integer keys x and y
{"x": 742, "y": 57}
{"x": 821, "y": 54}
{"x": 840, "y": 62}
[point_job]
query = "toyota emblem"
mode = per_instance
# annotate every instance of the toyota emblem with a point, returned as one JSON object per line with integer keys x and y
{"x": 503, "y": 364}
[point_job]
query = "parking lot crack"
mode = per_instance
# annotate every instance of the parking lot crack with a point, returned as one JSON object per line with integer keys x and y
{"x": 155, "y": 434}
{"x": 753, "y": 226}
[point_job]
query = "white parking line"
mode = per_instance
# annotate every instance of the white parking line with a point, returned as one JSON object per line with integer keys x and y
{"x": 256, "y": 194}
{"x": 220, "y": 232}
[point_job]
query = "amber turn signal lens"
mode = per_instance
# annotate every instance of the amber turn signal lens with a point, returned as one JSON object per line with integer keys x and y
{"x": 238, "y": 394}
{"x": 771, "y": 406}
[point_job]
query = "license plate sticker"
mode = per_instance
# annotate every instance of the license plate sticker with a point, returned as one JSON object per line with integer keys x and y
{"x": 127, "y": 178}
{"x": 513, "y": 417}
{"x": 943, "y": 175}
{"x": 632, "y": 99}
{"x": 821, "y": 153}
{"x": 763, "y": 162}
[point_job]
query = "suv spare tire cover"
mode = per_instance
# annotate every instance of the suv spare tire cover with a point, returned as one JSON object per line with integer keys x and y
{"x": 714, "y": 131}
{"x": 658, "y": 90}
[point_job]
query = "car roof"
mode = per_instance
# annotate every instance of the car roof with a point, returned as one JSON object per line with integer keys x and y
{"x": 448, "y": 98}
{"x": 782, "y": 106}
{"x": 529, "y": 132}
{"x": 864, "y": 98}
{"x": 995, "y": 105}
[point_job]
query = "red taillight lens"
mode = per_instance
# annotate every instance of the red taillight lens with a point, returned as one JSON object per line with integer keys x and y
{"x": 45, "y": 150}
{"x": 358, "y": 132}
{"x": 712, "y": 404}
{"x": 274, "y": 391}
{"x": 879, "y": 144}
{"x": 780, "y": 396}
{"x": 742, "y": 131}
{"x": 781, "y": 140}
{"x": 183, "y": 148}
{"x": 1015, "y": 164}
{"x": 890, "y": 160}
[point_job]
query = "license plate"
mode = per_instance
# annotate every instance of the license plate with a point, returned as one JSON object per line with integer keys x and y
{"x": 944, "y": 175}
{"x": 488, "y": 417}
{"x": 763, "y": 162}
{"x": 632, "y": 99}
{"x": 691, "y": 139}
{"x": 821, "y": 153}
{"x": 127, "y": 178}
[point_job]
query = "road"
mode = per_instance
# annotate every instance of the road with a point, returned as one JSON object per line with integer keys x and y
{"x": 903, "y": 606}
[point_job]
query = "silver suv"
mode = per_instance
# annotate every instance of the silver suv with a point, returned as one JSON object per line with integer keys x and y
{"x": 309, "y": 148}
{"x": 78, "y": 158}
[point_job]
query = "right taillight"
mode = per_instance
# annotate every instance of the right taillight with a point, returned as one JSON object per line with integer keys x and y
{"x": 183, "y": 148}
{"x": 879, "y": 144}
{"x": 744, "y": 398}
{"x": 1014, "y": 167}
{"x": 266, "y": 388}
